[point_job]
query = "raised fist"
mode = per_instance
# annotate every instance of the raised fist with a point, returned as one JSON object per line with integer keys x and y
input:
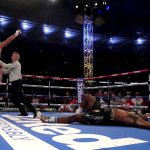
{"x": 17, "y": 33}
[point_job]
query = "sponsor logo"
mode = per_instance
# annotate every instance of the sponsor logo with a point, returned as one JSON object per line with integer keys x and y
{"x": 19, "y": 139}
{"x": 71, "y": 137}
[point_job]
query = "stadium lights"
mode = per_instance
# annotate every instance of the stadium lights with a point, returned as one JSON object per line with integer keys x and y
{"x": 26, "y": 25}
{"x": 140, "y": 41}
{"x": 69, "y": 33}
{"x": 4, "y": 20}
{"x": 115, "y": 40}
{"x": 91, "y": 7}
{"x": 48, "y": 29}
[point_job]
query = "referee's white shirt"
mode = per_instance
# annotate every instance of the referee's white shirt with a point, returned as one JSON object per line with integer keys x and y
{"x": 13, "y": 69}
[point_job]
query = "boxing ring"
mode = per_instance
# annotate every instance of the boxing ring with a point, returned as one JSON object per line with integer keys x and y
{"x": 21, "y": 133}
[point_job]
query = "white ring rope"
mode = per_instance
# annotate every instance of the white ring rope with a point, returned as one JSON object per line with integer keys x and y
{"x": 115, "y": 86}
{"x": 96, "y": 87}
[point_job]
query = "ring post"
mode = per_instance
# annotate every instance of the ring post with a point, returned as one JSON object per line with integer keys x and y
{"x": 49, "y": 93}
{"x": 109, "y": 91}
{"x": 80, "y": 89}
{"x": 7, "y": 94}
{"x": 149, "y": 91}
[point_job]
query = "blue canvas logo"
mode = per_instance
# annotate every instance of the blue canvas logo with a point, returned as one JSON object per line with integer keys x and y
{"x": 57, "y": 135}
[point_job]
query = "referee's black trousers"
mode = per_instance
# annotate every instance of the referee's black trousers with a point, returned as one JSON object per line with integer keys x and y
{"x": 17, "y": 98}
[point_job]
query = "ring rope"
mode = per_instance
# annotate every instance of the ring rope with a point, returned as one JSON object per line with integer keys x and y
{"x": 99, "y": 77}
{"x": 94, "y": 87}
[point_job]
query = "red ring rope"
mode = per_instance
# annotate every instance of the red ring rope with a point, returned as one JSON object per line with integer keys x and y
{"x": 93, "y": 78}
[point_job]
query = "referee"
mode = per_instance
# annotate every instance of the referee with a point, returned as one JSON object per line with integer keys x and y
{"x": 15, "y": 78}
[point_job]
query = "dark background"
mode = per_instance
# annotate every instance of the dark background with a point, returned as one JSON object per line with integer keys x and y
{"x": 56, "y": 56}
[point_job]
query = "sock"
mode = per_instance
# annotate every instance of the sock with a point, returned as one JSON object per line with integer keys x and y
{"x": 79, "y": 110}
{"x": 52, "y": 120}
{"x": 38, "y": 114}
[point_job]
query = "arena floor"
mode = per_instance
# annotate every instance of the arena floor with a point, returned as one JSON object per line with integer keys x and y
{"x": 26, "y": 133}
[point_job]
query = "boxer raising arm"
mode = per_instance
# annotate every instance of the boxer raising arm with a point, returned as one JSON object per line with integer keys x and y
{"x": 5, "y": 43}
{"x": 9, "y": 40}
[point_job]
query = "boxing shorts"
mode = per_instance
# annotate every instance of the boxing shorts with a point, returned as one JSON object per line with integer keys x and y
{"x": 98, "y": 116}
